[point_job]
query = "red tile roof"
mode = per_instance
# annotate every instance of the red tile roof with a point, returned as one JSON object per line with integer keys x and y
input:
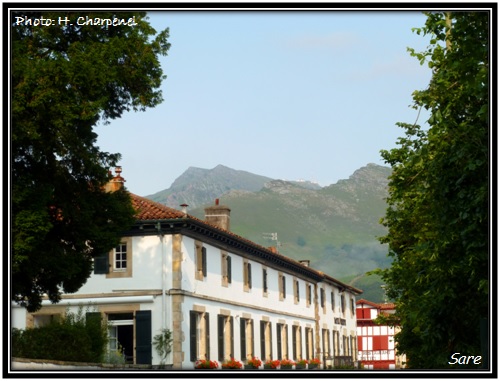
{"x": 150, "y": 210}
{"x": 147, "y": 210}
{"x": 382, "y": 306}
{"x": 387, "y": 306}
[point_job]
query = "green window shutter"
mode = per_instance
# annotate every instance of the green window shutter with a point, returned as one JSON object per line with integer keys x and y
{"x": 207, "y": 334}
{"x": 249, "y": 275}
{"x": 228, "y": 259}
{"x": 220, "y": 336}
{"x": 95, "y": 330}
{"x": 307, "y": 344}
{"x": 263, "y": 340}
{"x": 101, "y": 264}
{"x": 264, "y": 277}
{"x": 252, "y": 344}
{"x": 204, "y": 261}
{"x": 231, "y": 334}
{"x": 243, "y": 338}
{"x": 143, "y": 349}
{"x": 294, "y": 342}
{"x": 192, "y": 335}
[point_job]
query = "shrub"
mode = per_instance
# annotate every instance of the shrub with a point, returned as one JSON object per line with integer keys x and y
{"x": 74, "y": 337}
{"x": 162, "y": 342}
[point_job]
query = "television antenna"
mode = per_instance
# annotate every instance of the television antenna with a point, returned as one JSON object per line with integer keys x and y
{"x": 272, "y": 237}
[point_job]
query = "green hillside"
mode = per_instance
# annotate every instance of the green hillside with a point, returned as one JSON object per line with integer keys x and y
{"x": 335, "y": 227}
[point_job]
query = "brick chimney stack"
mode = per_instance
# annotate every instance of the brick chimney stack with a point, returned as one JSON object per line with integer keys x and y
{"x": 116, "y": 182}
{"x": 218, "y": 215}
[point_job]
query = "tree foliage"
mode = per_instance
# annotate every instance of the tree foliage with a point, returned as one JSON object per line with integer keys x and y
{"x": 437, "y": 214}
{"x": 65, "y": 79}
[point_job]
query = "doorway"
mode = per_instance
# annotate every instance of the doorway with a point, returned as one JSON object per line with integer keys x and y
{"x": 121, "y": 335}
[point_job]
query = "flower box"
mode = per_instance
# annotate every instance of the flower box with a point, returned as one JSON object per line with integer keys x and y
{"x": 286, "y": 364}
{"x": 314, "y": 363}
{"x": 232, "y": 364}
{"x": 206, "y": 364}
{"x": 253, "y": 363}
{"x": 301, "y": 364}
{"x": 272, "y": 364}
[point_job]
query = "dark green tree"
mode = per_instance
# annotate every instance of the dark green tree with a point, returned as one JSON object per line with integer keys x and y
{"x": 65, "y": 79}
{"x": 437, "y": 216}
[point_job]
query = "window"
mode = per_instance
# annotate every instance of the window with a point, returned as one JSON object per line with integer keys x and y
{"x": 282, "y": 286}
{"x": 226, "y": 269}
{"x": 353, "y": 348}
{"x": 332, "y": 297}
{"x": 41, "y": 320}
{"x": 345, "y": 344}
{"x": 282, "y": 336}
{"x": 342, "y": 303}
{"x": 322, "y": 299}
{"x": 118, "y": 262}
{"x": 336, "y": 343}
{"x": 247, "y": 276}
{"x": 120, "y": 257}
{"x": 309, "y": 343}
{"x": 266, "y": 343}
{"x": 352, "y": 306}
{"x": 264, "y": 281}
{"x": 225, "y": 337}
{"x": 297, "y": 342}
{"x": 246, "y": 338}
{"x": 199, "y": 331}
{"x": 201, "y": 261}
{"x": 296, "y": 291}
{"x": 326, "y": 342}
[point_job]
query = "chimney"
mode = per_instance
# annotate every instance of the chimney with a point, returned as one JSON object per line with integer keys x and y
{"x": 218, "y": 215}
{"x": 305, "y": 262}
{"x": 116, "y": 182}
{"x": 184, "y": 209}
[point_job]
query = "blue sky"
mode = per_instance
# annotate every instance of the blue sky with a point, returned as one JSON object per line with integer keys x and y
{"x": 288, "y": 95}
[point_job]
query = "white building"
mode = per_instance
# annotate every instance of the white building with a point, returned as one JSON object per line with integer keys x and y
{"x": 221, "y": 295}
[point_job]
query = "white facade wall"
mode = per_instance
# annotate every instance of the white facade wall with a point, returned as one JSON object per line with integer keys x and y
{"x": 152, "y": 279}
{"x": 146, "y": 268}
{"x": 339, "y": 323}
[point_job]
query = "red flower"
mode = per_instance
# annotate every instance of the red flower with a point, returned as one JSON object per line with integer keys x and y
{"x": 255, "y": 362}
{"x": 273, "y": 364}
{"x": 315, "y": 362}
{"x": 232, "y": 364}
{"x": 206, "y": 364}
